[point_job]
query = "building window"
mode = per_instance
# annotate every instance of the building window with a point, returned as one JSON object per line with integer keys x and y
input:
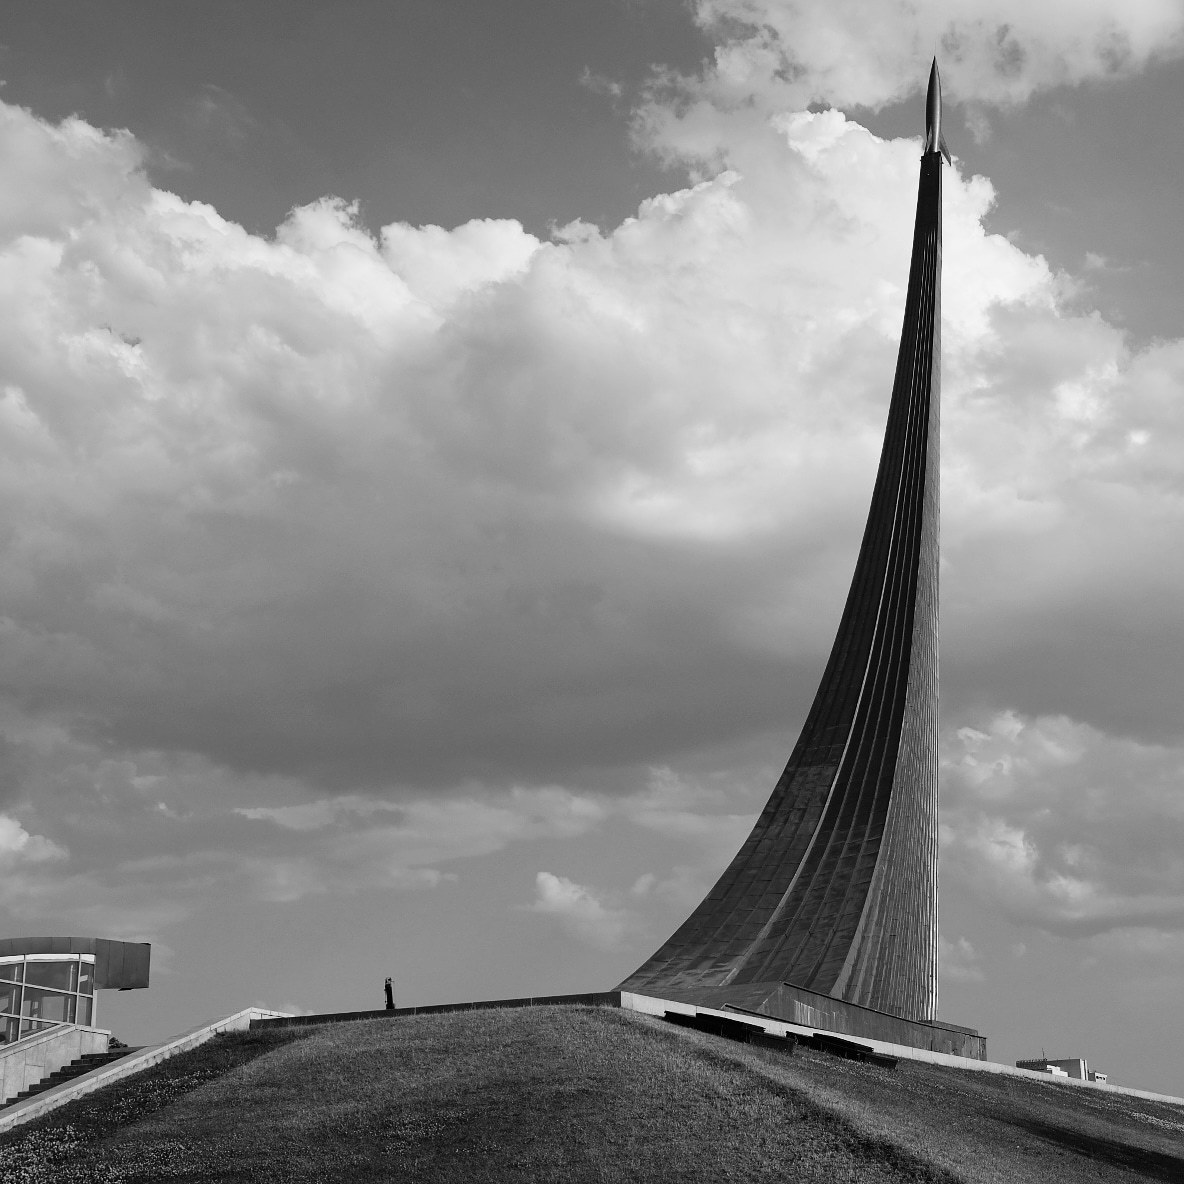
{"x": 40, "y": 991}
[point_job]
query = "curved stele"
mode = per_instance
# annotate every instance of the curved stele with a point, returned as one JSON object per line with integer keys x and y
{"x": 835, "y": 889}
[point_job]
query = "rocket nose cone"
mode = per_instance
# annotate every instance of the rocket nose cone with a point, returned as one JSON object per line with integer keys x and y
{"x": 934, "y": 140}
{"x": 933, "y": 110}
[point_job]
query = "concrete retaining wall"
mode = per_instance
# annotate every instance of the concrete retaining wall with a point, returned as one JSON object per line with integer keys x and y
{"x": 588, "y": 999}
{"x": 810, "y": 1009}
{"x": 28, "y": 1061}
{"x": 651, "y": 1005}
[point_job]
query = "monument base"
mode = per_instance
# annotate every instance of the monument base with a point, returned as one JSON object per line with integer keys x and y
{"x": 809, "y": 1009}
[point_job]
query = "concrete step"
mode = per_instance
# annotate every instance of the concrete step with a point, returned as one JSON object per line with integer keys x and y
{"x": 76, "y": 1068}
{"x": 737, "y": 1030}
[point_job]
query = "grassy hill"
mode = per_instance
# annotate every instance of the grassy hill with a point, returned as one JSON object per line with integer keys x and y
{"x": 578, "y": 1094}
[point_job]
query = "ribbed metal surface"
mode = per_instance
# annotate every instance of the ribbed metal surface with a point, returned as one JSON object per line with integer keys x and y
{"x": 835, "y": 889}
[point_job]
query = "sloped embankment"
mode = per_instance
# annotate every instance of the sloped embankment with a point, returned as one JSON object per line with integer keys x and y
{"x": 581, "y": 1094}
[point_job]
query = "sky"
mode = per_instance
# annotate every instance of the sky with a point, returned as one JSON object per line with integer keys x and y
{"x": 436, "y": 439}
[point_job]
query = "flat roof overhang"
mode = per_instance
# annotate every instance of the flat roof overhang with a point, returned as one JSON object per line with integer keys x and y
{"x": 119, "y": 965}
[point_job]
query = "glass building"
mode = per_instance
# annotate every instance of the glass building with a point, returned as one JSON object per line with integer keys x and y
{"x": 49, "y": 981}
{"x": 38, "y": 991}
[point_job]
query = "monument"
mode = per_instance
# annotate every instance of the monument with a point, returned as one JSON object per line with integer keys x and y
{"x": 829, "y": 911}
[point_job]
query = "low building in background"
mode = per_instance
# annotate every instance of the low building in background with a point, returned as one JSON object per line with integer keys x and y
{"x": 1075, "y": 1067}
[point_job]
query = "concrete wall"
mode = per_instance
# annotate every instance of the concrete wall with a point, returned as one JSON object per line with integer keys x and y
{"x": 40, "y": 1104}
{"x": 588, "y": 999}
{"x": 810, "y": 1009}
{"x": 651, "y": 1005}
{"x": 1074, "y": 1067}
{"x": 31, "y": 1060}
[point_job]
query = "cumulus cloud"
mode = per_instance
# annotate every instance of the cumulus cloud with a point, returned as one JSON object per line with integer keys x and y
{"x": 791, "y": 53}
{"x": 681, "y": 808}
{"x": 1064, "y": 827}
{"x": 40, "y": 880}
{"x": 354, "y": 532}
{"x": 347, "y": 844}
{"x": 959, "y": 961}
{"x": 703, "y": 821}
{"x": 437, "y": 505}
{"x": 18, "y": 846}
{"x": 175, "y": 827}
{"x": 579, "y": 911}
{"x": 371, "y": 510}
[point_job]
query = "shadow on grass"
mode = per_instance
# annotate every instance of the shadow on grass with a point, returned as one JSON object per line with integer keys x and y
{"x": 1154, "y": 1165}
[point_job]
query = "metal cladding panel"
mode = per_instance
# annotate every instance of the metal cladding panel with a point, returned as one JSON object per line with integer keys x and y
{"x": 121, "y": 965}
{"x": 11, "y": 946}
{"x": 835, "y": 889}
{"x": 891, "y": 964}
{"x": 118, "y": 964}
{"x": 105, "y": 972}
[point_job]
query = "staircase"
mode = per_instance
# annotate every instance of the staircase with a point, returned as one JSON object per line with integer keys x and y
{"x": 76, "y": 1068}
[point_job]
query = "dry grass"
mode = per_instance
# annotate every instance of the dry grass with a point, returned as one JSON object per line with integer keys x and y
{"x": 578, "y": 1094}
